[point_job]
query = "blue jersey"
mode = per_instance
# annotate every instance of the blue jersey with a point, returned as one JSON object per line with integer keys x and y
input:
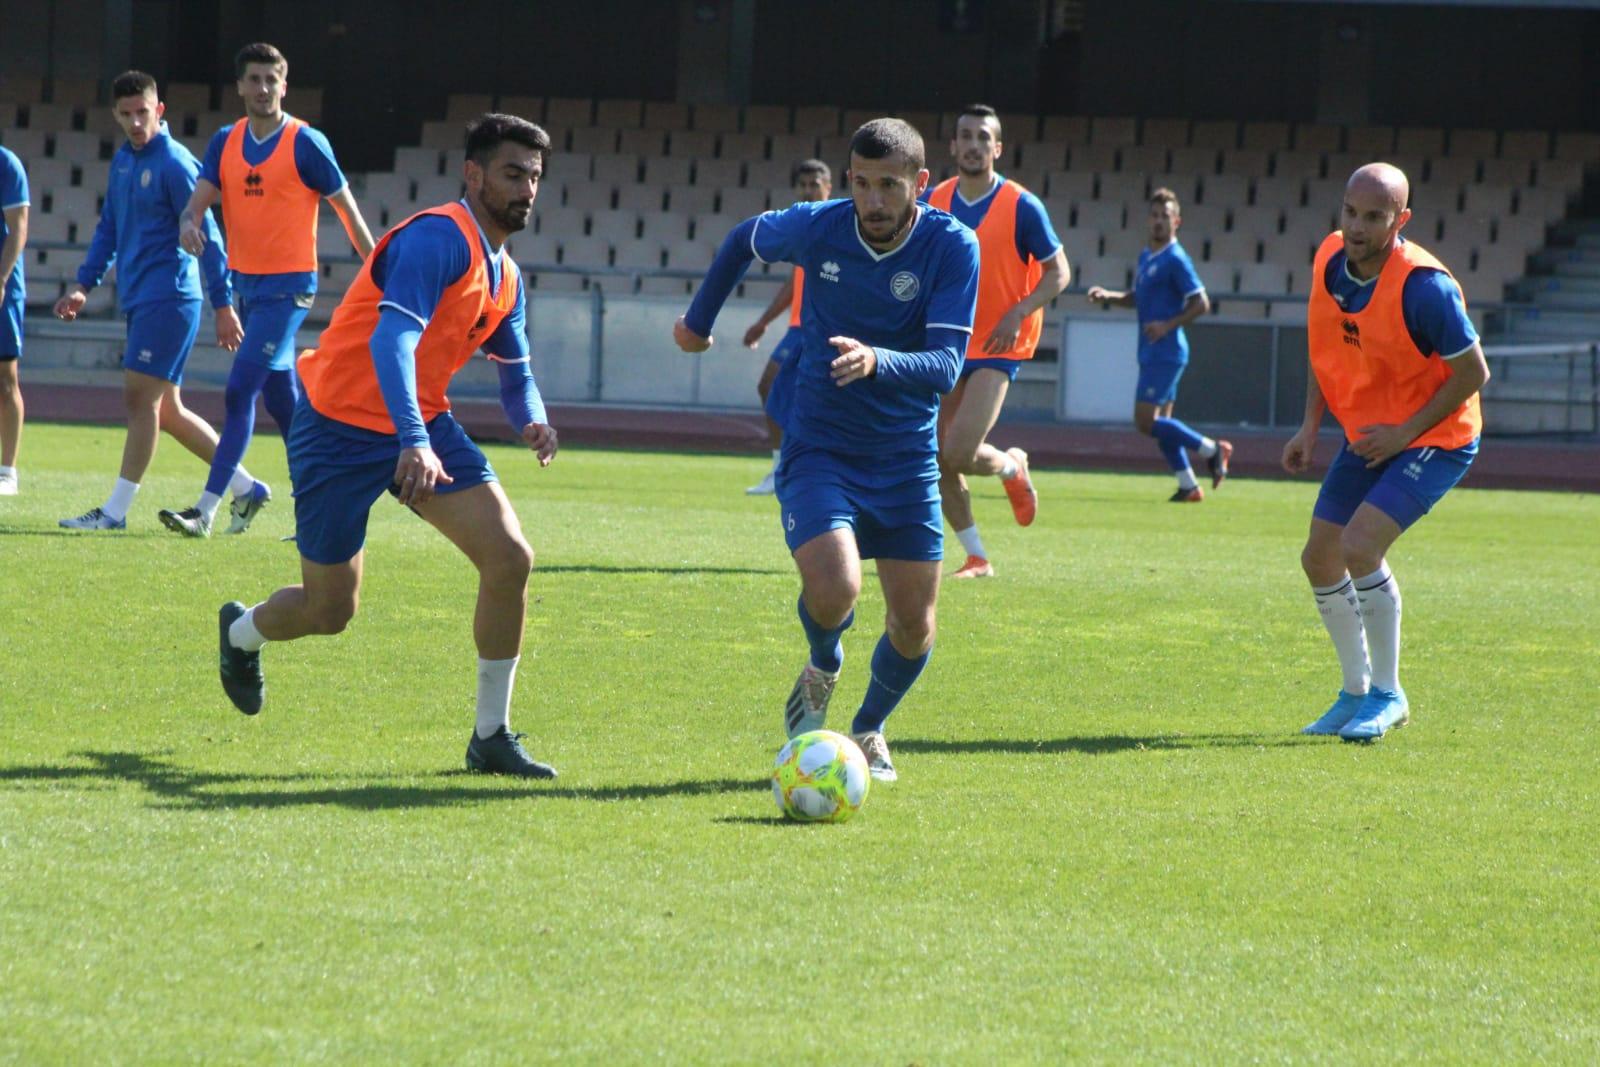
{"x": 318, "y": 170}
{"x": 1435, "y": 313}
{"x": 138, "y": 229}
{"x": 1162, "y": 284}
{"x": 1036, "y": 238}
{"x": 13, "y": 193}
{"x": 886, "y": 300}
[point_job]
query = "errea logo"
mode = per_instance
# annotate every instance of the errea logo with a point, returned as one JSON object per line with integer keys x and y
{"x": 1352, "y": 332}
{"x": 830, "y": 271}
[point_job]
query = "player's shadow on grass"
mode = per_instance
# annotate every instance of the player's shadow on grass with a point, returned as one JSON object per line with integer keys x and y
{"x": 182, "y": 788}
{"x": 602, "y": 568}
{"x": 1101, "y": 745}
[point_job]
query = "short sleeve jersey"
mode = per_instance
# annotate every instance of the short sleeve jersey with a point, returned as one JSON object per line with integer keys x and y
{"x": 13, "y": 193}
{"x": 1162, "y": 284}
{"x": 886, "y": 300}
{"x": 1036, "y": 238}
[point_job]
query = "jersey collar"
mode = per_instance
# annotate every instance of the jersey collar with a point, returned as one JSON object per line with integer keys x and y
{"x": 993, "y": 188}
{"x": 873, "y": 252}
{"x": 248, "y": 132}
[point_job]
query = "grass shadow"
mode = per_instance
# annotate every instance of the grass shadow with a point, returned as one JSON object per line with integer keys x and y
{"x": 177, "y": 787}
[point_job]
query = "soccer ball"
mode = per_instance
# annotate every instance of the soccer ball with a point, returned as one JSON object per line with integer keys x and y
{"x": 820, "y": 776}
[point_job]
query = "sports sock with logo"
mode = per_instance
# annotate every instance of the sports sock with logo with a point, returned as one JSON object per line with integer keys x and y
{"x": 1341, "y": 617}
{"x": 1379, "y": 595}
{"x": 892, "y": 675}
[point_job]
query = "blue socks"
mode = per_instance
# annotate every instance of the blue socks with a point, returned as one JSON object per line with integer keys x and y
{"x": 1175, "y": 439}
{"x": 826, "y": 652}
{"x": 892, "y": 675}
{"x": 245, "y": 382}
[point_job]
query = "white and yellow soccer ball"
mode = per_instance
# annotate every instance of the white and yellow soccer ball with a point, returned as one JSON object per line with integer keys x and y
{"x": 820, "y": 776}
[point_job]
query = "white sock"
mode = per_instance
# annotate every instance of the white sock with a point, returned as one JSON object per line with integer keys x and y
{"x": 1207, "y": 449}
{"x": 242, "y": 634}
{"x": 1009, "y": 471}
{"x": 241, "y": 482}
{"x": 121, "y": 498}
{"x": 1341, "y": 615}
{"x": 208, "y": 504}
{"x": 1186, "y": 479}
{"x": 494, "y": 693}
{"x": 1379, "y": 595}
{"x": 971, "y": 541}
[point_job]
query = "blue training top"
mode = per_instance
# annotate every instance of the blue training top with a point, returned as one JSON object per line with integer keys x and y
{"x": 1435, "y": 313}
{"x": 1162, "y": 283}
{"x": 138, "y": 229}
{"x": 913, "y": 305}
{"x": 13, "y": 193}
{"x": 318, "y": 170}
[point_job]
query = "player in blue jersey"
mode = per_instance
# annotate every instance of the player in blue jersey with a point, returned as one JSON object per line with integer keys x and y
{"x": 14, "y": 231}
{"x": 269, "y": 204}
{"x": 1024, "y": 268}
{"x": 1168, "y": 295}
{"x": 812, "y": 181}
{"x": 158, "y": 285}
{"x": 890, "y": 290}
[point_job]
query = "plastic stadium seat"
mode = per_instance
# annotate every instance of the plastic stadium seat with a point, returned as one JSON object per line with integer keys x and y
{"x": 1050, "y": 155}
{"x": 615, "y": 169}
{"x": 1235, "y": 247}
{"x": 1094, "y": 157}
{"x": 1259, "y": 222}
{"x": 585, "y": 252}
{"x": 637, "y": 255}
{"x": 1113, "y": 130}
{"x": 770, "y": 174}
{"x": 816, "y": 120}
{"x": 710, "y": 226}
{"x": 1430, "y": 199}
{"x": 1564, "y": 174}
{"x": 77, "y": 146}
{"x": 619, "y": 114}
{"x": 596, "y": 140}
{"x": 928, "y": 124}
{"x": 717, "y": 118}
{"x": 1474, "y": 144}
{"x": 665, "y": 170}
{"x": 742, "y": 203}
{"x": 1077, "y": 242}
{"x": 1125, "y": 186}
{"x": 100, "y": 119}
{"x": 1219, "y": 134}
{"x": 852, "y": 119}
{"x": 1483, "y": 199}
{"x": 791, "y": 148}
{"x": 1064, "y": 129}
{"x": 1279, "y": 194}
{"x": 1287, "y": 312}
{"x": 1419, "y": 140}
{"x": 524, "y": 107}
{"x": 666, "y": 115}
{"x": 1452, "y": 170}
{"x": 1521, "y": 233}
{"x": 693, "y": 144}
{"x": 1325, "y": 194}
{"x": 1029, "y": 178}
{"x": 641, "y": 142}
{"x": 1200, "y": 161}
{"x": 638, "y": 198}
{"x": 1318, "y": 137}
{"x": 57, "y": 226}
{"x": 46, "y": 174}
{"x": 690, "y": 255}
{"x": 440, "y": 134}
{"x": 331, "y": 238}
{"x": 558, "y": 223}
{"x": 1218, "y": 276}
{"x": 1202, "y": 219}
{"x": 718, "y": 173}
{"x": 665, "y": 227}
{"x": 1109, "y": 271}
{"x": 677, "y": 287}
{"x": 418, "y": 163}
{"x": 1468, "y": 230}
{"x": 692, "y": 199}
{"x": 1548, "y": 204}
{"x": 1524, "y": 144}
{"x": 559, "y": 282}
{"x": 1226, "y": 190}
{"x": 742, "y": 146}
{"x": 1295, "y": 164}
{"x": 181, "y": 96}
{"x": 1168, "y": 133}
{"x": 835, "y": 152}
{"x": 568, "y": 167}
{"x": 1269, "y": 278}
{"x": 1265, "y": 136}
{"x": 460, "y": 107}
{"x": 1344, "y": 164}
{"x": 567, "y": 113}
{"x": 1101, "y": 215}
{"x": 22, "y": 88}
{"x": 74, "y": 201}
{"x": 1150, "y": 158}
{"x": 617, "y": 227}
{"x": 590, "y": 196}
{"x": 438, "y": 190}
{"x": 1515, "y": 172}
{"x": 1060, "y": 211}
{"x": 1374, "y": 142}
{"x": 766, "y": 118}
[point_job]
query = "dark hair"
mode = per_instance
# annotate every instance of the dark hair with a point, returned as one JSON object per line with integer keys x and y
{"x": 260, "y": 52}
{"x": 132, "y": 83}
{"x": 488, "y": 131}
{"x": 1164, "y": 195}
{"x": 882, "y": 138}
{"x": 810, "y": 166}
{"x": 982, "y": 111}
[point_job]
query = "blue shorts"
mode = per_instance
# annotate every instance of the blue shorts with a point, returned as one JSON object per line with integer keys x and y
{"x": 10, "y": 330}
{"x": 1158, "y": 383}
{"x": 160, "y": 337}
{"x": 1405, "y": 488}
{"x": 1008, "y": 367}
{"x": 269, "y": 329}
{"x": 891, "y": 503}
{"x": 339, "y": 471}
{"x": 787, "y": 346}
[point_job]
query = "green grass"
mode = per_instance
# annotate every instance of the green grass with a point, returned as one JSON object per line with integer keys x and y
{"x": 1108, "y": 844}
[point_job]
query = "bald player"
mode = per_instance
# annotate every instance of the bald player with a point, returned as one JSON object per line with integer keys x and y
{"x": 1396, "y": 360}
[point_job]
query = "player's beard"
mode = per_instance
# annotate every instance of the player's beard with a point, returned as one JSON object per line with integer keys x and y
{"x": 506, "y": 216}
{"x": 900, "y": 226}
{"x": 972, "y": 169}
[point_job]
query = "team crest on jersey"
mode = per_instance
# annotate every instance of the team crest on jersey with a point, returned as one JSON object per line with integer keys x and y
{"x": 144, "y": 178}
{"x": 830, "y": 271}
{"x": 904, "y": 285}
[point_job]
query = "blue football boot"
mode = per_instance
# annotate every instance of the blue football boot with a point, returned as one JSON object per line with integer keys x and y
{"x": 1345, "y": 708}
{"x": 1383, "y": 710}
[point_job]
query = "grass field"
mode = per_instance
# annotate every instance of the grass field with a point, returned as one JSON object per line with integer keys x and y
{"x": 1108, "y": 842}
